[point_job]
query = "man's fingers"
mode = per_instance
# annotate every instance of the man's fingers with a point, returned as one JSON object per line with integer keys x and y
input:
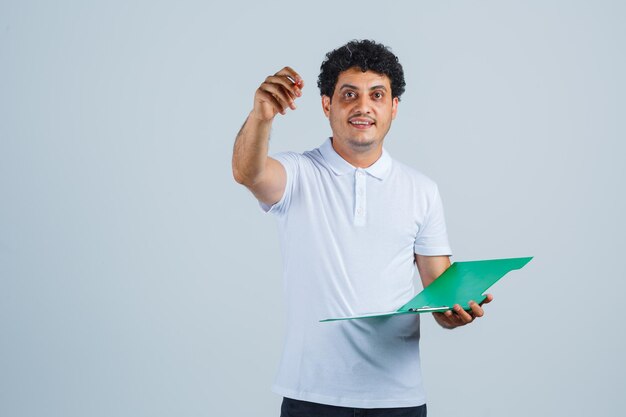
{"x": 459, "y": 317}
{"x": 295, "y": 77}
{"x": 270, "y": 98}
{"x": 454, "y": 317}
{"x": 488, "y": 299}
{"x": 280, "y": 94}
{"x": 287, "y": 83}
{"x": 279, "y": 91}
{"x": 449, "y": 318}
{"x": 463, "y": 315}
{"x": 477, "y": 311}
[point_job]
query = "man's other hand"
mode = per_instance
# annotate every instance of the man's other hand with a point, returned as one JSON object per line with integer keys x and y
{"x": 459, "y": 317}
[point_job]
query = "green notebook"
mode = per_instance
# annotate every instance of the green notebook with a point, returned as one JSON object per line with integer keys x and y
{"x": 460, "y": 283}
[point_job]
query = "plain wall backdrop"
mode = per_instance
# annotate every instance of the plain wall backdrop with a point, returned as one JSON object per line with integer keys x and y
{"x": 138, "y": 279}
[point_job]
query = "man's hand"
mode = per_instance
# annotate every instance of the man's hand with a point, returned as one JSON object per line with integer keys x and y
{"x": 459, "y": 317}
{"x": 277, "y": 92}
{"x": 431, "y": 268}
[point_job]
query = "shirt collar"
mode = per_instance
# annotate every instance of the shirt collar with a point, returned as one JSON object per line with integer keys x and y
{"x": 340, "y": 166}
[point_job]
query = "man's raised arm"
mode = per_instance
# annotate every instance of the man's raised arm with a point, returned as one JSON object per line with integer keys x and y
{"x": 263, "y": 176}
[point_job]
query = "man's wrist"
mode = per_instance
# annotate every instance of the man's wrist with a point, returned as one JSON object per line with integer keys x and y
{"x": 259, "y": 119}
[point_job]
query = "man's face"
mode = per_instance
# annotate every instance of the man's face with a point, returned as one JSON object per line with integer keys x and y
{"x": 361, "y": 110}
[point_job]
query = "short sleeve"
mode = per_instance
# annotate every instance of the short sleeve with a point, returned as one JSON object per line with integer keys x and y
{"x": 432, "y": 238}
{"x": 291, "y": 162}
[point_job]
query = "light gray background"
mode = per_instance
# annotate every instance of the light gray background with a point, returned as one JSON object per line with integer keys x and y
{"x": 138, "y": 279}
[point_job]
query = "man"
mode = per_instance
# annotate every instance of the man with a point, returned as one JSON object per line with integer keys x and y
{"x": 354, "y": 224}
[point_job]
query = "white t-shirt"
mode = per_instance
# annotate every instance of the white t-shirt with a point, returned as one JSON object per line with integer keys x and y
{"x": 348, "y": 237}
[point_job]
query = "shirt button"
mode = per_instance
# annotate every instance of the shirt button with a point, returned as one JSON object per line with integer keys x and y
{"x": 359, "y": 211}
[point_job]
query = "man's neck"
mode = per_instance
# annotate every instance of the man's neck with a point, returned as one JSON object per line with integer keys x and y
{"x": 363, "y": 159}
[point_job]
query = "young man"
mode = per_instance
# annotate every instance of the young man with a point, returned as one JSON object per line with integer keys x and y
{"x": 353, "y": 224}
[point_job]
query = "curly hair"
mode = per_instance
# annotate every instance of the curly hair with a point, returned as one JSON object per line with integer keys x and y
{"x": 365, "y": 55}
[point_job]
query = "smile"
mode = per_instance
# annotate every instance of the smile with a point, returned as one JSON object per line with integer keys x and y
{"x": 361, "y": 123}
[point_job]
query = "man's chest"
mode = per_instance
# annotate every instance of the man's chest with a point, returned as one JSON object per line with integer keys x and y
{"x": 361, "y": 207}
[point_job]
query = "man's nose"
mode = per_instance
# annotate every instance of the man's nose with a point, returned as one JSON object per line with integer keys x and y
{"x": 363, "y": 104}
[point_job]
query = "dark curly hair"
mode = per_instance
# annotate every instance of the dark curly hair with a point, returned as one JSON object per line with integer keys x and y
{"x": 366, "y": 55}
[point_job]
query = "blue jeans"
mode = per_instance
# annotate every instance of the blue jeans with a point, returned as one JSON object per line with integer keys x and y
{"x": 297, "y": 408}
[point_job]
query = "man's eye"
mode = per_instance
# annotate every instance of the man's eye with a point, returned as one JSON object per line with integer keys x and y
{"x": 349, "y": 94}
{"x": 378, "y": 95}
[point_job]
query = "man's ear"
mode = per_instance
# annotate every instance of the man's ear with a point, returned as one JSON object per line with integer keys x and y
{"x": 394, "y": 107}
{"x": 326, "y": 105}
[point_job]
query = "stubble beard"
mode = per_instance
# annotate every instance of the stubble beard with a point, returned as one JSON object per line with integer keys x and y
{"x": 366, "y": 145}
{"x": 360, "y": 145}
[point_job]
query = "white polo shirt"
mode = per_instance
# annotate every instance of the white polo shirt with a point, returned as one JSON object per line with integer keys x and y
{"x": 348, "y": 237}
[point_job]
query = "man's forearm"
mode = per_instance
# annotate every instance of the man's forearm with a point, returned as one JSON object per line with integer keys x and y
{"x": 250, "y": 149}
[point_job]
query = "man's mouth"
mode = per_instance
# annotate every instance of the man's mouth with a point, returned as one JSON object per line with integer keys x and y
{"x": 361, "y": 123}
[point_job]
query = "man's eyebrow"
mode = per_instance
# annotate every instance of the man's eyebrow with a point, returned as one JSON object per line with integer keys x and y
{"x": 354, "y": 87}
